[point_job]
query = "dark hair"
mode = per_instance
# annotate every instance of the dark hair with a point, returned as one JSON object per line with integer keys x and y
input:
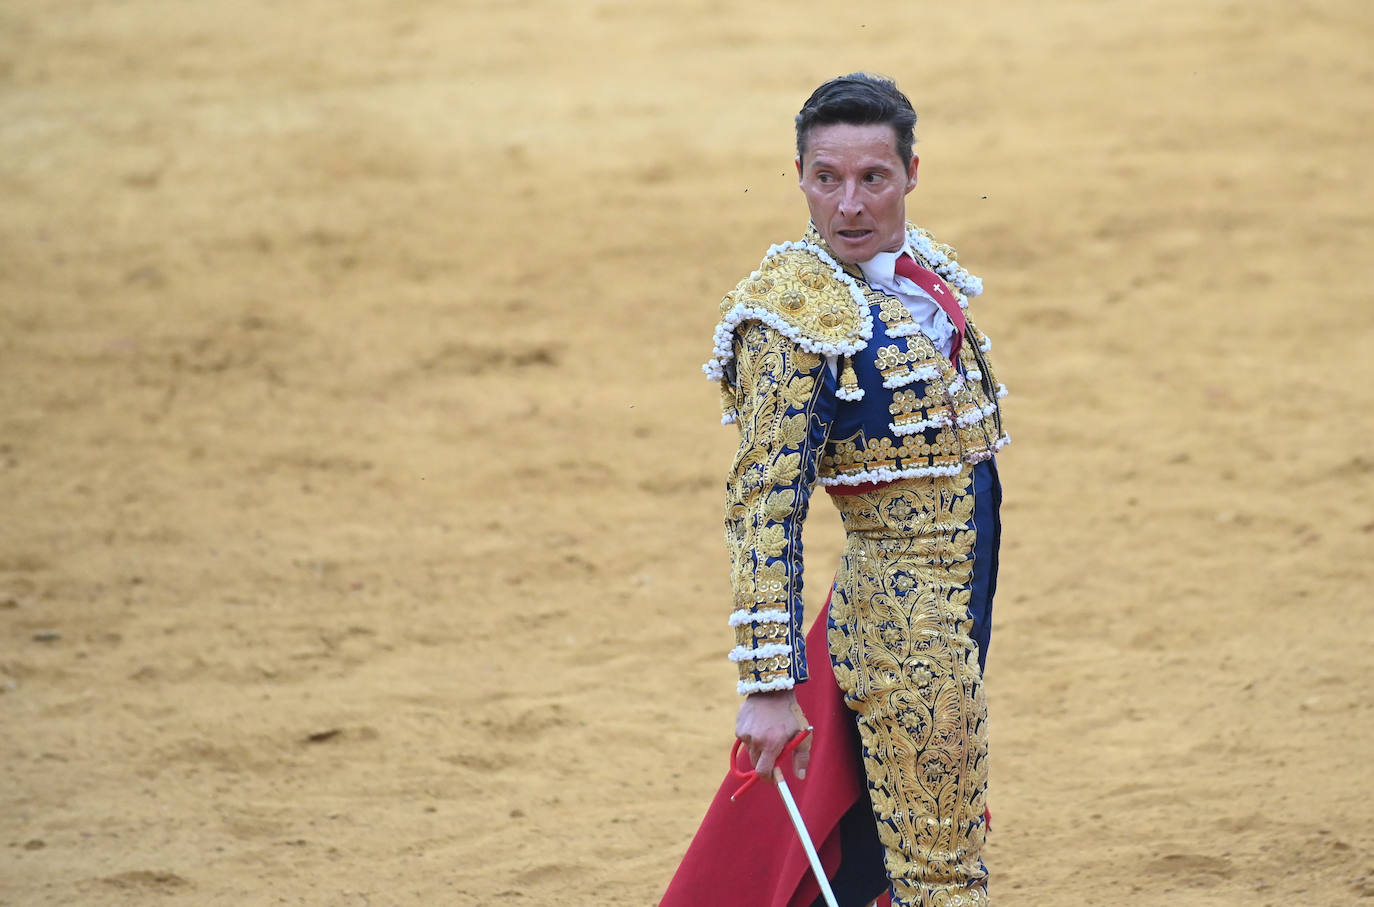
{"x": 861, "y": 99}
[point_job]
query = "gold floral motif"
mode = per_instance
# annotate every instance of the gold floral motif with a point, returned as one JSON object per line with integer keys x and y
{"x": 776, "y": 395}
{"x": 893, "y": 312}
{"x": 831, "y": 314}
{"x": 858, "y": 454}
{"x": 890, "y": 358}
{"x": 899, "y": 639}
{"x": 805, "y": 293}
{"x": 950, "y": 445}
{"x": 909, "y": 406}
{"x": 757, "y": 288}
{"x": 791, "y": 301}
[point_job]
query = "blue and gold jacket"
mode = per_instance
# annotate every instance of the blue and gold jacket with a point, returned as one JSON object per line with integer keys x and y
{"x": 830, "y": 381}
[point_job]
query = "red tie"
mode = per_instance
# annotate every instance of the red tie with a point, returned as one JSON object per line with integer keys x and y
{"x": 929, "y": 281}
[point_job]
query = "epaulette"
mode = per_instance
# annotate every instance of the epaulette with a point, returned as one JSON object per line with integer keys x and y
{"x": 804, "y": 294}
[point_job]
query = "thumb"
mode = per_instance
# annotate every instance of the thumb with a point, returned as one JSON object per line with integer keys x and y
{"x": 801, "y": 759}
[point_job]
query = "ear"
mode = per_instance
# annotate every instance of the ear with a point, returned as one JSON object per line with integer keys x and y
{"x": 797, "y": 161}
{"x": 911, "y": 172}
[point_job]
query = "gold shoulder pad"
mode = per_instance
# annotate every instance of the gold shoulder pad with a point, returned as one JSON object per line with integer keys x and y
{"x": 806, "y": 294}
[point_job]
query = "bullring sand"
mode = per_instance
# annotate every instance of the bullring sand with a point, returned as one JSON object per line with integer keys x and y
{"x": 361, "y": 491}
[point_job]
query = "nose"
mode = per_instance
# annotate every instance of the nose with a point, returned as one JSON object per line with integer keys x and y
{"x": 850, "y": 203}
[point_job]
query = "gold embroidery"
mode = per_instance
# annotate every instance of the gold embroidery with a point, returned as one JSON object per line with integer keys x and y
{"x": 899, "y": 639}
{"x": 754, "y": 635}
{"x": 908, "y": 406}
{"x": 892, "y": 311}
{"x": 910, "y": 452}
{"x": 775, "y": 399}
{"x": 805, "y": 293}
{"x": 949, "y": 445}
{"x": 892, "y": 357}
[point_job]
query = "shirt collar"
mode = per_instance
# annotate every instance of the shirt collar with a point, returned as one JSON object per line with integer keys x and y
{"x": 881, "y": 269}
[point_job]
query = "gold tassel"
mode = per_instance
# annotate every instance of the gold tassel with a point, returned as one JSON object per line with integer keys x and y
{"x": 849, "y": 382}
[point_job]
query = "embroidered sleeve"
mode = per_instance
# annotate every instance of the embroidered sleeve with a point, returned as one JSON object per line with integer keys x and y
{"x": 785, "y": 401}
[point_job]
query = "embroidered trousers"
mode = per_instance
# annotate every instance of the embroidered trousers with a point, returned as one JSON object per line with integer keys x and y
{"x": 909, "y": 623}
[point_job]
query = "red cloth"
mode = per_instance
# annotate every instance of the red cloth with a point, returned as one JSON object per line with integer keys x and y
{"x": 746, "y": 853}
{"x": 929, "y": 281}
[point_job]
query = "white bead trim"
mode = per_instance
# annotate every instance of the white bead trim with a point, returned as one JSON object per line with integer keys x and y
{"x": 957, "y": 384}
{"x": 744, "y": 653}
{"x": 744, "y": 616}
{"x": 883, "y": 474}
{"x": 977, "y": 415}
{"x": 911, "y": 428}
{"x": 1001, "y": 391}
{"x": 723, "y": 340}
{"x": 946, "y": 267}
{"x": 729, "y": 418}
{"x": 975, "y": 374}
{"x": 845, "y": 393}
{"x": 924, "y": 373}
{"x": 987, "y": 454}
{"x": 986, "y": 344}
{"x": 746, "y": 687}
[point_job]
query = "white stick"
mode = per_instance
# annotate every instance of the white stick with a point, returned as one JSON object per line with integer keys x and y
{"x": 810, "y": 848}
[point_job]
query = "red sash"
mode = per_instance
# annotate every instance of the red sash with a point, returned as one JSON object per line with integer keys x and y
{"x": 929, "y": 281}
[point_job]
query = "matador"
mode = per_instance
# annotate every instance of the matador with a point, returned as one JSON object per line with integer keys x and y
{"x": 848, "y": 360}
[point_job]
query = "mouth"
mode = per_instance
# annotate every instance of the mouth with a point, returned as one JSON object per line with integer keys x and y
{"x": 853, "y": 235}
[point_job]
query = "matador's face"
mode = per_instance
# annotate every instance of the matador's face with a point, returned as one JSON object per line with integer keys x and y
{"x": 856, "y": 185}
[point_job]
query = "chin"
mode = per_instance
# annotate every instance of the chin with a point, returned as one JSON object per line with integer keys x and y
{"x": 852, "y": 251}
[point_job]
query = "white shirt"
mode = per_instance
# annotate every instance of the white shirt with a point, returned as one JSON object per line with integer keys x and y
{"x": 881, "y": 273}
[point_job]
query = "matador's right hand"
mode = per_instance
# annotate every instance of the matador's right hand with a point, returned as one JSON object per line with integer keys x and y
{"x": 766, "y": 722}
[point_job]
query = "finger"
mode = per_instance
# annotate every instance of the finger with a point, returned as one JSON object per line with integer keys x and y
{"x": 767, "y": 757}
{"x": 801, "y": 759}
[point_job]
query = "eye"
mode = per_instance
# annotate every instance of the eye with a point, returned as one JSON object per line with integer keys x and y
{"x": 824, "y": 178}
{"x": 873, "y": 176}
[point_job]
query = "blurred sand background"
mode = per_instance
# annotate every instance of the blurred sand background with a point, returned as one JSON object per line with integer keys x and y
{"x": 360, "y": 540}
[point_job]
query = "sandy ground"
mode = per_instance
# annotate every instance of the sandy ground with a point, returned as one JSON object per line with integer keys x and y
{"x": 360, "y": 540}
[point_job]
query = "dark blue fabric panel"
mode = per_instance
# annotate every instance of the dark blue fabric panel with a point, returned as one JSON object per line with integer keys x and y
{"x": 987, "y": 522}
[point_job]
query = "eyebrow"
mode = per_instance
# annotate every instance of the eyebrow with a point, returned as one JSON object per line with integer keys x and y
{"x": 822, "y": 162}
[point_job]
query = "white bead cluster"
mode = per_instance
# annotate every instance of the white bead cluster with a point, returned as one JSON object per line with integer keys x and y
{"x": 946, "y": 267}
{"x": 849, "y": 393}
{"x": 924, "y": 373}
{"x": 758, "y": 686}
{"x": 883, "y": 474}
{"x": 941, "y": 420}
{"x": 977, "y": 415}
{"x": 744, "y": 653}
{"x": 745, "y": 616}
{"x": 982, "y": 455}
